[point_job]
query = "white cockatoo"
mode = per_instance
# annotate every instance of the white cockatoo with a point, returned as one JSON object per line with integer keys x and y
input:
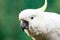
{"x": 40, "y": 25}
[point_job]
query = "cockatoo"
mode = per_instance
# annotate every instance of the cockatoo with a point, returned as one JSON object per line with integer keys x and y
{"x": 40, "y": 25}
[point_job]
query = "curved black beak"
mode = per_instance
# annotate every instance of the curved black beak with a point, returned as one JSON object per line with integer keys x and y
{"x": 24, "y": 25}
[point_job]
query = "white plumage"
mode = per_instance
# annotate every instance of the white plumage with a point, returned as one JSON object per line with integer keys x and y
{"x": 42, "y": 25}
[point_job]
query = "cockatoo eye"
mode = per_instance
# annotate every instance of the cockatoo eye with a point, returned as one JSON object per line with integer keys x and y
{"x": 32, "y": 18}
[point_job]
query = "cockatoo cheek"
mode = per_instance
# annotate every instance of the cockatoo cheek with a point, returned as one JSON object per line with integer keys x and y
{"x": 33, "y": 27}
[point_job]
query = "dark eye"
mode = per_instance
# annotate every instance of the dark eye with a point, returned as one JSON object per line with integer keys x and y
{"x": 31, "y": 17}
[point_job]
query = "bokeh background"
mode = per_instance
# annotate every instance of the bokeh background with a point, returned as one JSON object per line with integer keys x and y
{"x": 9, "y": 10}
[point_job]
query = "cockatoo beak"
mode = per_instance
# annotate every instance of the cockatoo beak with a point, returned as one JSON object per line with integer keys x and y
{"x": 43, "y": 8}
{"x": 24, "y": 25}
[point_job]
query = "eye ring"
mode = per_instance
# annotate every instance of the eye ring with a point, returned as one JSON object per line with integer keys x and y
{"x": 31, "y": 17}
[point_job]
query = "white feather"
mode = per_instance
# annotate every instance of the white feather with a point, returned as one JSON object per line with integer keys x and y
{"x": 46, "y": 23}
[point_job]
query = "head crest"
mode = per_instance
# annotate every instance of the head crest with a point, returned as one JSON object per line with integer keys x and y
{"x": 43, "y": 8}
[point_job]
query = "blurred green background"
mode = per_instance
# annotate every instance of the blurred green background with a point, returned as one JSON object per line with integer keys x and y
{"x": 9, "y": 10}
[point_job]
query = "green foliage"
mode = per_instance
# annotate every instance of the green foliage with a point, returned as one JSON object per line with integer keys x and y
{"x": 9, "y": 11}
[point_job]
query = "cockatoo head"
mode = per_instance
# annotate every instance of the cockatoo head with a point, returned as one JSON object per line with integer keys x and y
{"x": 30, "y": 18}
{"x": 27, "y": 16}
